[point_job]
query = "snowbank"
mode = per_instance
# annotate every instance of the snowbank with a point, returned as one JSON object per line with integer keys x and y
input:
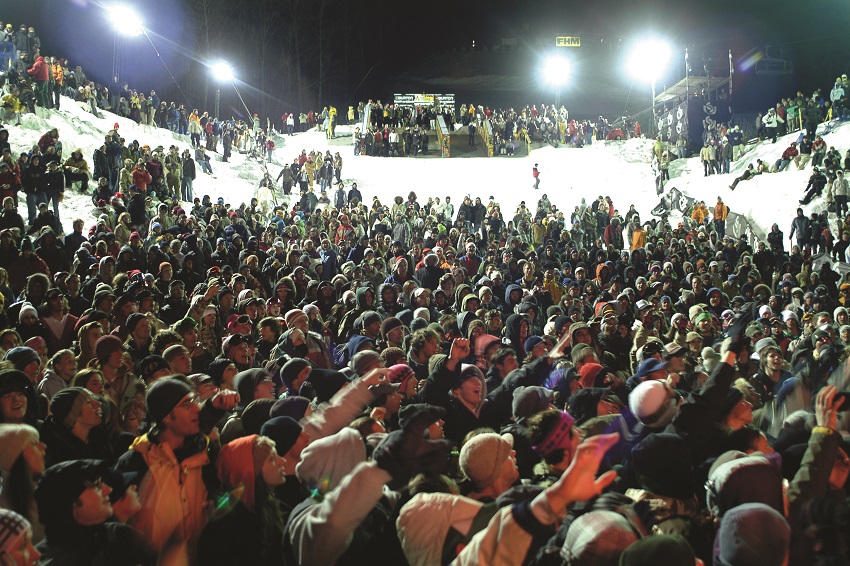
{"x": 620, "y": 170}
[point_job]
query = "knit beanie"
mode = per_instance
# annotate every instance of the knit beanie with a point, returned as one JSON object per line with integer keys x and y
{"x": 173, "y": 352}
{"x": 246, "y": 383}
{"x": 670, "y": 550}
{"x": 362, "y": 361}
{"x": 291, "y": 369}
{"x": 106, "y": 346}
{"x": 293, "y": 316}
{"x": 163, "y": 396}
{"x": 13, "y": 529}
{"x": 27, "y": 308}
{"x": 588, "y": 374}
{"x": 133, "y": 320}
{"x": 150, "y": 365}
{"x": 752, "y": 534}
{"x": 483, "y": 342}
{"x": 284, "y": 431}
{"x": 216, "y": 370}
{"x": 14, "y": 438}
{"x": 66, "y": 406}
{"x": 21, "y": 357}
{"x": 388, "y": 325}
{"x": 294, "y": 407}
{"x": 531, "y": 342}
{"x": 528, "y": 401}
{"x": 482, "y": 457}
{"x": 653, "y": 404}
{"x": 326, "y": 383}
{"x": 598, "y": 538}
{"x": 60, "y": 487}
{"x": 256, "y": 414}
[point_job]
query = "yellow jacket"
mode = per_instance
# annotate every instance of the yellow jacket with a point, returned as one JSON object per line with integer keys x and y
{"x": 11, "y": 103}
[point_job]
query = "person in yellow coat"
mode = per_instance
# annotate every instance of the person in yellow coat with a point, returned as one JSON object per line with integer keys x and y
{"x": 638, "y": 237}
{"x": 331, "y": 122}
{"x": 310, "y": 167}
{"x": 12, "y": 107}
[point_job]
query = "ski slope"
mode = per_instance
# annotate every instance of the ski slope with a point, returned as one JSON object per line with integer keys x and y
{"x": 619, "y": 169}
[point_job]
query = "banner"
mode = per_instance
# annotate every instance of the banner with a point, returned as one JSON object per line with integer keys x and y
{"x": 568, "y": 41}
{"x": 414, "y": 100}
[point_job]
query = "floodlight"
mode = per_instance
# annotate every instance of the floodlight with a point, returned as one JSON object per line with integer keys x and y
{"x": 649, "y": 60}
{"x": 125, "y": 20}
{"x": 222, "y": 71}
{"x": 557, "y": 70}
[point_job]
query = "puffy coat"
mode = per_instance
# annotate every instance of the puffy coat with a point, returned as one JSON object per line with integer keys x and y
{"x": 39, "y": 71}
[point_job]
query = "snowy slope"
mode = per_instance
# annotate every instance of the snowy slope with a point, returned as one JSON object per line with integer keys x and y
{"x": 620, "y": 170}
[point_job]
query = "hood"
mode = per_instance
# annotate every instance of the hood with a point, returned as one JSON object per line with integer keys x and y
{"x": 425, "y": 521}
{"x": 362, "y": 299}
{"x": 354, "y": 345}
{"x": 508, "y": 289}
{"x": 469, "y": 371}
{"x": 582, "y": 404}
{"x": 246, "y": 382}
{"x": 461, "y": 288}
{"x": 662, "y": 464}
{"x": 512, "y": 327}
{"x": 381, "y": 289}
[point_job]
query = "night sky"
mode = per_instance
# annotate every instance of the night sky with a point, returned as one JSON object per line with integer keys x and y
{"x": 408, "y": 46}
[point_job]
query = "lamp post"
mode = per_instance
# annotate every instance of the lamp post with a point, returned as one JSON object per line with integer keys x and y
{"x": 223, "y": 72}
{"x": 648, "y": 61}
{"x": 125, "y": 22}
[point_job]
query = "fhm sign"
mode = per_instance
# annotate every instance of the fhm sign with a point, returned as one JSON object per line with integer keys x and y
{"x": 568, "y": 41}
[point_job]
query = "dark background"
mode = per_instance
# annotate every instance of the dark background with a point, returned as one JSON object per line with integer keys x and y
{"x": 300, "y": 54}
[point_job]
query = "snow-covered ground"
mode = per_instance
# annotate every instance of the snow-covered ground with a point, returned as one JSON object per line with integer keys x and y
{"x": 620, "y": 170}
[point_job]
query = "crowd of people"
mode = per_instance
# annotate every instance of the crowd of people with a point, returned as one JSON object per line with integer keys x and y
{"x": 348, "y": 381}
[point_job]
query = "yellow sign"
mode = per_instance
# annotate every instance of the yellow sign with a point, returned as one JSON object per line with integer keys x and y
{"x": 567, "y": 41}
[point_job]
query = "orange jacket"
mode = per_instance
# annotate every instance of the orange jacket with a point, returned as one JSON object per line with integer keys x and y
{"x": 58, "y": 73}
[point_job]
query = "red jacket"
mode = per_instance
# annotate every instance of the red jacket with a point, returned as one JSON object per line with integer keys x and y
{"x": 790, "y": 153}
{"x": 39, "y": 70}
{"x": 45, "y": 141}
{"x": 141, "y": 178}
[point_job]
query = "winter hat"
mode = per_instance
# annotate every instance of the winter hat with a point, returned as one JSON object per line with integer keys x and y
{"x": 388, "y": 325}
{"x": 598, "y": 538}
{"x": 173, "y": 352}
{"x": 425, "y": 521}
{"x": 710, "y": 359}
{"x": 325, "y": 462}
{"x": 662, "y": 464}
{"x": 185, "y": 325}
{"x": 483, "y": 342}
{"x": 66, "y": 406}
{"x": 21, "y": 357}
{"x": 362, "y": 361}
{"x": 245, "y": 383}
{"x": 106, "y": 346}
{"x": 133, "y": 320}
{"x": 752, "y": 534}
{"x": 369, "y": 317}
{"x": 13, "y": 529}
{"x": 26, "y": 244}
{"x": 531, "y": 342}
{"x": 293, "y": 407}
{"x": 482, "y": 457}
{"x": 293, "y": 316}
{"x": 150, "y": 365}
{"x": 291, "y": 369}
{"x": 60, "y": 487}
{"x": 738, "y": 478}
{"x": 326, "y": 383}
{"x": 237, "y": 465}
{"x": 589, "y": 374}
{"x": 216, "y": 370}
{"x": 670, "y": 550}
{"x": 400, "y": 373}
{"x": 27, "y": 308}
{"x": 163, "y": 396}
{"x": 256, "y": 414}
{"x": 284, "y": 431}
{"x": 14, "y": 438}
{"x": 653, "y": 403}
{"x": 528, "y": 401}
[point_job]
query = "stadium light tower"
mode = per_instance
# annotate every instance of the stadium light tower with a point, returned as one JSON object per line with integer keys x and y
{"x": 125, "y": 22}
{"x": 648, "y": 61}
{"x": 557, "y": 71}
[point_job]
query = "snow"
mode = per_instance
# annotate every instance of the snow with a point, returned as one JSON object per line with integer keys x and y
{"x": 619, "y": 169}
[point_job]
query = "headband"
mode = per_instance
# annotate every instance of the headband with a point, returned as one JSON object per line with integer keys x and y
{"x": 555, "y": 439}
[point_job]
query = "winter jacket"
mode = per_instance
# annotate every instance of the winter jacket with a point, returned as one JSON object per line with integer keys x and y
{"x": 40, "y": 71}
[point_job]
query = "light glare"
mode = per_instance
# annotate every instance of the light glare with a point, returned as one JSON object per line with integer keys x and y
{"x": 126, "y": 21}
{"x": 557, "y": 70}
{"x": 649, "y": 60}
{"x": 223, "y": 71}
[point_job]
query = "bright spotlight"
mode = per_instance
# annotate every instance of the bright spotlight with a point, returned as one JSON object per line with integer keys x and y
{"x": 649, "y": 60}
{"x": 222, "y": 71}
{"x": 557, "y": 70}
{"x": 125, "y": 20}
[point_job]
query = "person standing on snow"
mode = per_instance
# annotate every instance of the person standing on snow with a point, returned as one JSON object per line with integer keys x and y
{"x": 535, "y": 172}
{"x": 771, "y": 120}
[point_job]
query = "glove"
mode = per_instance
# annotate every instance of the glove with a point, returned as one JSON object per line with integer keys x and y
{"x": 404, "y": 453}
{"x": 737, "y": 331}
